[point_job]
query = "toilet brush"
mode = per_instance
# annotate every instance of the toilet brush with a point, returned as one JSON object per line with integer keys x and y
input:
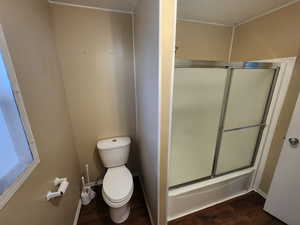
{"x": 90, "y": 191}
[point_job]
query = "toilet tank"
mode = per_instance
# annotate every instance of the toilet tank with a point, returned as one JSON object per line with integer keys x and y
{"x": 114, "y": 151}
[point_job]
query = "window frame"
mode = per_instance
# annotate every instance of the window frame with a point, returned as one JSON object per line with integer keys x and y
{"x": 9, "y": 192}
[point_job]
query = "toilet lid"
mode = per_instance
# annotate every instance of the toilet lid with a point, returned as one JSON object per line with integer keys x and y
{"x": 117, "y": 183}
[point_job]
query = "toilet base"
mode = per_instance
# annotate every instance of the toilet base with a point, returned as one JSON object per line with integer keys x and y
{"x": 119, "y": 215}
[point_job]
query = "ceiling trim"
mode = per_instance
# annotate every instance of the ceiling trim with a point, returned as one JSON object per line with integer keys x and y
{"x": 89, "y": 7}
{"x": 267, "y": 13}
{"x": 181, "y": 19}
{"x": 204, "y": 22}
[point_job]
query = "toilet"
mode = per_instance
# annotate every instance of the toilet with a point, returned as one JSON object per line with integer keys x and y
{"x": 117, "y": 185}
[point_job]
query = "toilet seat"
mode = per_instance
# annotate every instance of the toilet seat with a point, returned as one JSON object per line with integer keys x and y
{"x": 116, "y": 204}
{"x": 117, "y": 186}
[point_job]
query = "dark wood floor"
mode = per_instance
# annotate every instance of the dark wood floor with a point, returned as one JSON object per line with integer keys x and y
{"x": 96, "y": 213}
{"x": 244, "y": 210}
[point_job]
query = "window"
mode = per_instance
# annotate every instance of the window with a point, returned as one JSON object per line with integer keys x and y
{"x": 18, "y": 155}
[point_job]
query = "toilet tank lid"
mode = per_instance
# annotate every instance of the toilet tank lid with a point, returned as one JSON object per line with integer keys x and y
{"x": 111, "y": 143}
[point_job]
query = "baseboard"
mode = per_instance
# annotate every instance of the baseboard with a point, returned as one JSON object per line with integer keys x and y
{"x": 146, "y": 200}
{"x": 261, "y": 193}
{"x": 76, "y": 217}
{"x": 95, "y": 183}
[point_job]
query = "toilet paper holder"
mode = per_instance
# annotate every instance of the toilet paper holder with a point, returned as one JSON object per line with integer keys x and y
{"x": 63, "y": 185}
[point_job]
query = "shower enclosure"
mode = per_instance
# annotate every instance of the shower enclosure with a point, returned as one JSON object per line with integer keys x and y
{"x": 219, "y": 114}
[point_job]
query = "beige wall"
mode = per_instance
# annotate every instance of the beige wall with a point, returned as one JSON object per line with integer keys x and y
{"x": 202, "y": 41}
{"x": 146, "y": 37}
{"x": 29, "y": 36}
{"x": 96, "y": 57}
{"x": 273, "y": 36}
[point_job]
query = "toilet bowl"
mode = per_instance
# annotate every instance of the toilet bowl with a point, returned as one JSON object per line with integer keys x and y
{"x": 117, "y": 187}
{"x": 117, "y": 190}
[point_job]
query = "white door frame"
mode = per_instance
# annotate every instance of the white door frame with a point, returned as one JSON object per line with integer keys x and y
{"x": 283, "y": 81}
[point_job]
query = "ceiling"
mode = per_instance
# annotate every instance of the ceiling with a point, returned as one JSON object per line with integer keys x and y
{"x": 228, "y": 12}
{"x": 118, "y": 5}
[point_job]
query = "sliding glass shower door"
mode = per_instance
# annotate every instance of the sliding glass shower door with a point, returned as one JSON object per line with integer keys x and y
{"x": 219, "y": 112}
{"x": 197, "y": 105}
{"x": 244, "y": 117}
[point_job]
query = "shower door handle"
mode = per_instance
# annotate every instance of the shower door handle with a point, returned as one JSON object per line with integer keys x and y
{"x": 293, "y": 141}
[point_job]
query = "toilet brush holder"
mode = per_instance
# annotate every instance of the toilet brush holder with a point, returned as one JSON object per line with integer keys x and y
{"x": 85, "y": 199}
{"x": 91, "y": 193}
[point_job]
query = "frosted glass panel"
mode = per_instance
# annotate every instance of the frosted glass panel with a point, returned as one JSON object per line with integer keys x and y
{"x": 248, "y": 96}
{"x": 237, "y": 149}
{"x": 197, "y": 102}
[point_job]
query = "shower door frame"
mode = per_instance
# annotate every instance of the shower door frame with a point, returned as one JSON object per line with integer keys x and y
{"x": 230, "y": 67}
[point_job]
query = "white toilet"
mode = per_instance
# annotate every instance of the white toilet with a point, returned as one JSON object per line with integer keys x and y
{"x": 117, "y": 185}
